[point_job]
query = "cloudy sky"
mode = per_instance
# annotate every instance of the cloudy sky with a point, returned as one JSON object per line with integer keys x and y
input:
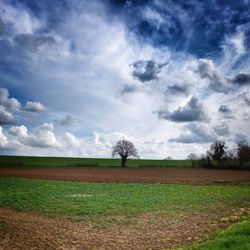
{"x": 76, "y": 76}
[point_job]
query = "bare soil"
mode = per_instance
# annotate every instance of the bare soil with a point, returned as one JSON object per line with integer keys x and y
{"x": 143, "y": 175}
{"x": 22, "y": 230}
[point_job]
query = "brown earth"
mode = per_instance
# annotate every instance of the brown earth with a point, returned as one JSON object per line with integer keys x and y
{"x": 147, "y": 175}
{"x": 22, "y": 230}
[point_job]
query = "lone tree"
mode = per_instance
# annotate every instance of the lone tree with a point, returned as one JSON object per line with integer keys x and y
{"x": 124, "y": 149}
{"x": 217, "y": 152}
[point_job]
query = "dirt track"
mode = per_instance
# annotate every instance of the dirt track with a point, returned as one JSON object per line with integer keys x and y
{"x": 147, "y": 175}
{"x": 23, "y": 230}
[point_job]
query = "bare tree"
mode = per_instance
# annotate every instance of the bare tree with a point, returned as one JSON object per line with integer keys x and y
{"x": 217, "y": 152}
{"x": 243, "y": 152}
{"x": 124, "y": 149}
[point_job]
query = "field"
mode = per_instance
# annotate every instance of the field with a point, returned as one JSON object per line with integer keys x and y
{"x": 152, "y": 215}
{"x": 29, "y": 161}
{"x": 134, "y": 175}
{"x": 107, "y": 207}
{"x": 234, "y": 238}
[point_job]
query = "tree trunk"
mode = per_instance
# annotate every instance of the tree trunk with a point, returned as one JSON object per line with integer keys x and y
{"x": 124, "y": 162}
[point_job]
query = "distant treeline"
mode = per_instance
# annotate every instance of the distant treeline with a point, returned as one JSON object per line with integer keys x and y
{"x": 220, "y": 156}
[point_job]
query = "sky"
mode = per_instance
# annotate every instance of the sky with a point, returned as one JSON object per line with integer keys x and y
{"x": 76, "y": 76}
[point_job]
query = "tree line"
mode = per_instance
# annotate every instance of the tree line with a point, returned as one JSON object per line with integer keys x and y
{"x": 219, "y": 155}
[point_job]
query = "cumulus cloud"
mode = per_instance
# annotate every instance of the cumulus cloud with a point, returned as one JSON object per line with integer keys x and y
{"x": 71, "y": 140}
{"x": 42, "y": 137}
{"x": 19, "y": 131}
{"x": 147, "y": 70}
{"x": 6, "y": 117}
{"x": 3, "y": 138}
{"x": 195, "y": 133}
{"x": 207, "y": 70}
{"x": 192, "y": 111}
{"x": 9, "y": 103}
{"x": 6, "y": 144}
{"x": 242, "y": 79}
{"x": 34, "y": 107}
{"x": 108, "y": 72}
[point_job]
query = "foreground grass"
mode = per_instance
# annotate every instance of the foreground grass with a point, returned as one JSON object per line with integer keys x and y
{"x": 36, "y": 161}
{"x": 95, "y": 200}
{"x": 234, "y": 238}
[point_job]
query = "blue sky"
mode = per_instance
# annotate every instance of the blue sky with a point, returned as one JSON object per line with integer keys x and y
{"x": 76, "y": 76}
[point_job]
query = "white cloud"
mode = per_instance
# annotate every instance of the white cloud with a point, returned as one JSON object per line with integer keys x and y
{"x": 192, "y": 111}
{"x": 19, "y": 19}
{"x": 6, "y": 117}
{"x": 236, "y": 42}
{"x": 19, "y": 131}
{"x": 208, "y": 70}
{"x": 3, "y": 138}
{"x": 6, "y": 144}
{"x": 194, "y": 133}
{"x": 90, "y": 64}
{"x": 10, "y": 103}
{"x": 34, "y": 106}
{"x": 43, "y": 136}
{"x": 71, "y": 140}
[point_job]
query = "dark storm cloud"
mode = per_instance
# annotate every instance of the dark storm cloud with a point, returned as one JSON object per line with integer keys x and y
{"x": 33, "y": 42}
{"x": 242, "y": 79}
{"x": 194, "y": 133}
{"x": 224, "y": 109}
{"x": 192, "y": 111}
{"x": 147, "y": 70}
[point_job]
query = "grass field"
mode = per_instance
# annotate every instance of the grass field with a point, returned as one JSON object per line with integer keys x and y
{"x": 30, "y": 161}
{"x": 234, "y": 238}
{"x": 163, "y": 214}
{"x": 71, "y": 199}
